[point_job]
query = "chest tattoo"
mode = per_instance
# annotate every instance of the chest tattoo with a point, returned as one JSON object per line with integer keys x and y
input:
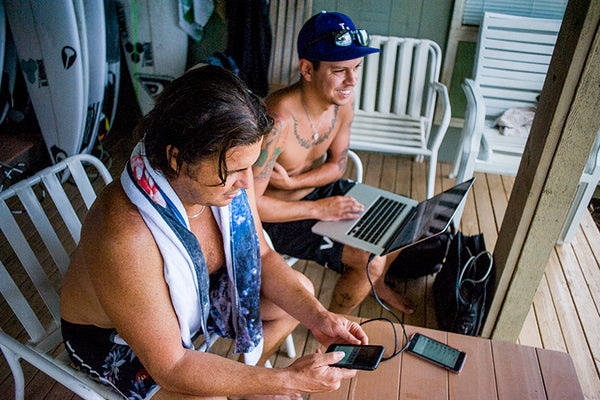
{"x": 308, "y": 143}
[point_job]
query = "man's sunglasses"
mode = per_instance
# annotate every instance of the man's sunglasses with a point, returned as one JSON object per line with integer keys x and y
{"x": 344, "y": 38}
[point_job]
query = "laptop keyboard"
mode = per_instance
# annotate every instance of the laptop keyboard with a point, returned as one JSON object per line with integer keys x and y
{"x": 375, "y": 222}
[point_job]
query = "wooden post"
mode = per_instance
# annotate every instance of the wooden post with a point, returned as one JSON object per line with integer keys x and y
{"x": 558, "y": 147}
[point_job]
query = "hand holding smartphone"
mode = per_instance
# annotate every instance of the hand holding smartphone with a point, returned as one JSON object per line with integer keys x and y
{"x": 437, "y": 352}
{"x": 365, "y": 357}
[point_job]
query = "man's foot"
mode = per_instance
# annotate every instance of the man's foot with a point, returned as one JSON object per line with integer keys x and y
{"x": 393, "y": 298}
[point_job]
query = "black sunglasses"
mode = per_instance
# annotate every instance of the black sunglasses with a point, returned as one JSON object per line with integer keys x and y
{"x": 344, "y": 38}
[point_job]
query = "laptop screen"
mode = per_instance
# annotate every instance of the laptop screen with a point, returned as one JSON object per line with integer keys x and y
{"x": 430, "y": 217}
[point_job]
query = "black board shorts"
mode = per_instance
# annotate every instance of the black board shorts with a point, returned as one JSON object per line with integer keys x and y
{"x": 96, "y": 351}
{"x": 296, "y": 238}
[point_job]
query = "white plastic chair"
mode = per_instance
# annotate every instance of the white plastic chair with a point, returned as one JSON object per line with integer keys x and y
{"x": 513, "y": 56}
{"x": 44, "y": 337}
{"x": 512, "y": 59}
{"x": 396, "y": 99}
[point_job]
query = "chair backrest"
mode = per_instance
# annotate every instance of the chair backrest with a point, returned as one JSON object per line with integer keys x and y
{"x": 512, "y": 60}
{"x": 287, "y": 18}
{"x": 41, "y": 235}
{"x": 397, "y": 81}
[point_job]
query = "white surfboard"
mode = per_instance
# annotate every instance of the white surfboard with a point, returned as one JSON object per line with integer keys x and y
{"x": 95, "y": 42}
{"x": 113, "y": 69}
{"x": 49, "y": 52}
{"x": 155, "y": 48}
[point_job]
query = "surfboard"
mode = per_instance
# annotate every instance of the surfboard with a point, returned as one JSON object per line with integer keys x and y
{"x": 2, "y": 35}
{"x": 9, "y": 77}
{"x": 155, "y": 48}
{"x": 49, "y": 53}
{"x": 94, "y": 45}
{"x": 4, "y": 104}
{"x": 113, "y": 69}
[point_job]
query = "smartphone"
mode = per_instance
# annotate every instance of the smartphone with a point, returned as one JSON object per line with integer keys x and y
{"x": 437, "y": 352}
{"x": 358, "y": 356}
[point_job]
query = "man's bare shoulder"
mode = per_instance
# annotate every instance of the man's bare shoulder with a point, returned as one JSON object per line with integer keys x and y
{"x": 283, "y": 103}
{"x": 113, "y": 220}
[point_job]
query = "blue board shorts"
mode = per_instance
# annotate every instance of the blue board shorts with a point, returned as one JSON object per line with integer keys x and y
{"x": 296, "y": 238}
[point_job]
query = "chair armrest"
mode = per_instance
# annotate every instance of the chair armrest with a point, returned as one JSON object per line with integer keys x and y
{"x": 358, "y": 175}
{"x": 439, "y": 134}
{"x": 472, "y": 130}
{"x": 475, "y": 114}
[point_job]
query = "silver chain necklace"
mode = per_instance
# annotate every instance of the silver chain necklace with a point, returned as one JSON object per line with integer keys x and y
{"x": 198, "y": 213}
{"x": 316, "y": 131}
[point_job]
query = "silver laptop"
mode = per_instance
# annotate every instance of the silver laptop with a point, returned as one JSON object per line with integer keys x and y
{"x": 392, "y": 222}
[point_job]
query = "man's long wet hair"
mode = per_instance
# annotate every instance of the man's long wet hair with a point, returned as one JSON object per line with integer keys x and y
{"x": 203, "y": 113}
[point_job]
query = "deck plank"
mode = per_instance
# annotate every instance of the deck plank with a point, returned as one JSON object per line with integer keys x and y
{"x": 499, "y": 199}
{"x": 511, "y": 363}
{"x": 485, "y": 212}
{"x": 556, "y": 376}
{"x": 589, "y": 266}
{"x": 572, "y": 331}
{"x": 417, "y": 386}
{"x": 386, "y": 372}
{"x": 582, "y": 299}
{"x": 477, "y": 379}
{"x": 547, "y": 319}
{"x": 592, "y": 234}
{"x": 530, "y": 335}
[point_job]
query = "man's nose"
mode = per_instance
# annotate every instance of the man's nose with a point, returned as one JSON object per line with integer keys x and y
{"x": 352, "y": 78}
{"x": 245, "y": 180}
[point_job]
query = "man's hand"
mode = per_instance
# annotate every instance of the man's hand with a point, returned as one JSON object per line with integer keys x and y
{"x": 313, "y": 373}
{"x": 329, "y": 328}
{"x": 338, "y": 207}
{"x": 280, "y": 178}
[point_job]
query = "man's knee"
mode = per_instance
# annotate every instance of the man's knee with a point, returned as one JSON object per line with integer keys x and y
{"x": 376, "y": 267}
{"x": 358, "y": 259}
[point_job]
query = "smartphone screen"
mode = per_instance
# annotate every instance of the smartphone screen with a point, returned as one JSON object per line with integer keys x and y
{"x": 364, "y": 357}
{"x": 437, "y": 352}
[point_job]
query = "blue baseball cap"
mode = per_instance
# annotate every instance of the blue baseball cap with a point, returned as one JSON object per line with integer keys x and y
{"x": 332, "y": 36}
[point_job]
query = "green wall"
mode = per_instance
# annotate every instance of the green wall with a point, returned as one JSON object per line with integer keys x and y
{"x": 428, "y": 19}
{"x": 463, "y": 68}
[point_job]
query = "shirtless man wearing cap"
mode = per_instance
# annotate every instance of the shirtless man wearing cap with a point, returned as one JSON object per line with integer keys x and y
{"x": 293, "y": 188}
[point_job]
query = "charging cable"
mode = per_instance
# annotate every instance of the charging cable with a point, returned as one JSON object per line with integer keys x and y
{"x": 396, "y": 351}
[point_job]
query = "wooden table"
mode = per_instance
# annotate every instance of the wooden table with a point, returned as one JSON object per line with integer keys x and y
{"x": 492, "y": 370}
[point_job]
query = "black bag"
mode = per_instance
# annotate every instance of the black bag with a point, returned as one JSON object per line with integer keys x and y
{"x": 420, "y": 259}
{"x": 462, "y": 289}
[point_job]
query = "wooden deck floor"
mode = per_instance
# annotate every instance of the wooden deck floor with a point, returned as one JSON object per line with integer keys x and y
{"x": 565, "y": 314}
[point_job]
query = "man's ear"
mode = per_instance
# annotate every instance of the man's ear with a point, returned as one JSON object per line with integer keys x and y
{"x": 306, "y": 69}
{"x": 172, "y": 153}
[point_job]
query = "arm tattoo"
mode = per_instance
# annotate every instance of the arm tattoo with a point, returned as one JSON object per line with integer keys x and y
{"x": 343, "y": 161}
{"x": 264, "y": 160}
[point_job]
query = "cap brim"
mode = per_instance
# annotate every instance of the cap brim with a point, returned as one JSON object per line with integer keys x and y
{"x": 337, "y": 53}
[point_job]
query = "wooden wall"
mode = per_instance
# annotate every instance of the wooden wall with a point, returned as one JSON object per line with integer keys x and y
{"x": 428, "y": 19}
